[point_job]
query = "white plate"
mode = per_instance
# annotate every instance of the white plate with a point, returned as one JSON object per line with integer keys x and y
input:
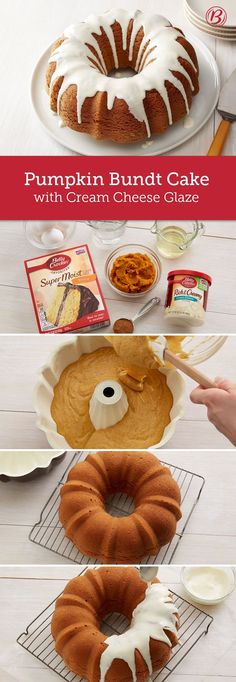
{"x": 214, "y": 29}
{"x": 15, "y": 463}
{"x": 221, "y": 31}
{"x": 200, "y": 8}
{"x": 203, "y": 106}
{"x": 207, "y": 29}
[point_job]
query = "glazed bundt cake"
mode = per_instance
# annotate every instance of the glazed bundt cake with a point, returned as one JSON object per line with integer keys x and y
{"x": 114, "y": 539}
{"x": 146, "y": 645}
{"x": 87, "y": 96}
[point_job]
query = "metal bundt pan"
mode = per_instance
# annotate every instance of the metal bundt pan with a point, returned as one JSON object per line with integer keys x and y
{"x": 38, "y": 464}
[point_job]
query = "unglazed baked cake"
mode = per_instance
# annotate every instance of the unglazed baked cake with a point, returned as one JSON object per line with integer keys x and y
{"x": 124, "y": 109}
{"x": 145, "y": 647}
{"x": 112, "y": 539}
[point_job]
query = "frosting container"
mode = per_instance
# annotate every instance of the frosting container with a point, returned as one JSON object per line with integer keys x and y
{"x": 187, "y": 295}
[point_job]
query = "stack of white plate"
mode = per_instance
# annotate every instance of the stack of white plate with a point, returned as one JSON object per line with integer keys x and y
{"x": 219, "y": 19}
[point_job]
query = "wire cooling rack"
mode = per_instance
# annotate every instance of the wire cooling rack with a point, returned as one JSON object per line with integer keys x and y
{"x": 37, "y": 638}
{"x": 49, "y": 533}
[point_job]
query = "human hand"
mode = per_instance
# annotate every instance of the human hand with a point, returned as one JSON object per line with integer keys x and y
{"x": 221, "y": 406}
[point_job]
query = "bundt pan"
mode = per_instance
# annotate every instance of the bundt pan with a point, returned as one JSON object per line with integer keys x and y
{"x": 25, "y": 465}
{"x": 69, "y": 352}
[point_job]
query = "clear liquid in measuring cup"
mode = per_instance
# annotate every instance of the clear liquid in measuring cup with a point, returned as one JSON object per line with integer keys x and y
{"x": 170, "y": 241}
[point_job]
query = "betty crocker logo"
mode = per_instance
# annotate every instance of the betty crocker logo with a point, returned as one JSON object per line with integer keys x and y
{"x": 189, "y": 282}
{"x": 216, "y": 16}
{"x": 58, "y": 262}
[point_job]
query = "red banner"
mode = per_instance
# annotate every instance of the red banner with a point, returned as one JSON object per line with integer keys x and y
{"x": 138, "y": 188}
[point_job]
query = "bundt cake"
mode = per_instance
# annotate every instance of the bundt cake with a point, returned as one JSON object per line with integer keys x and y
{"x": 146, "y": 645}
{"x": 87, "y": 96}
{"x": 113, "y": 539}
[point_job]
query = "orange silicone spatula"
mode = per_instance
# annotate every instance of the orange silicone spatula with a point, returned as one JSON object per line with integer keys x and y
{"x": 227, "y": 109}
{"x": 190, "y": 371}
{"x": 164, "y": 355}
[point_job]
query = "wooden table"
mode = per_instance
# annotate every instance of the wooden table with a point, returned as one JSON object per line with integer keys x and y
{"x": 210, "y": 535}
{"x": 25, "y": 591}
{"x": 38, "y": 26}
{"x": 20, "y": 359}
{"x": 213, "y": 253}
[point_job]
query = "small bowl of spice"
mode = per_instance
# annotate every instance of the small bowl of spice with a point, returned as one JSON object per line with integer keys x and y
{"x": 132, "y": 270}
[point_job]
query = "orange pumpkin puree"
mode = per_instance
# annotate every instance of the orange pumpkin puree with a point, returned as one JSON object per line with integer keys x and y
{"x": 133, "y": 273}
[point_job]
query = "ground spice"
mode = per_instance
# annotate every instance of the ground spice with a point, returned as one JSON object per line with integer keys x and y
{"x": 123, "y": 326}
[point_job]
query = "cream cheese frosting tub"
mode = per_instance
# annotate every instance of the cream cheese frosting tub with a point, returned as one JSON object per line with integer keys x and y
{"x": 187, "y": 296}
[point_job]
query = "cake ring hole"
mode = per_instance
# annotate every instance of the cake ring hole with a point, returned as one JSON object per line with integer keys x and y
{"x": 108, "y": 392}
{"x": 122, "y": 72}
{"x": 114, "y": 623}
{"x": 119, "y": 504}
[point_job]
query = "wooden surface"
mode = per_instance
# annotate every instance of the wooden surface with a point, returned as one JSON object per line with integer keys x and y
{"x": 25, "y": 591}
{"x": 21, "y": 358}
{"x": 213, "y": 253}
{"x": 37, "y": 25}
{"x": 210, "y": 534}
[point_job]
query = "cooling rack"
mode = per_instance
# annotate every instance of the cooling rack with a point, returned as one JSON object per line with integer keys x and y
{"x": 37, "y": 638}
{"x": 49, "y": 533}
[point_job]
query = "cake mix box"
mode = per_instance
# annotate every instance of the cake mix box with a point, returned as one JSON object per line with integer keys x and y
{"x": 65, "y": 292}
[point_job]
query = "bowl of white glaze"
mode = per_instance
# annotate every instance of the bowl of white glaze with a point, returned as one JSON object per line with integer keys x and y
{"x": 70, "y": 351}
{"x": 208, "y": 585}
{"x": 23, "y": 464}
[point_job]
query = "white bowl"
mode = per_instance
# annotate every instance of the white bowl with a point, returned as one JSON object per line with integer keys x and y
{"x": 230, "y": 573}
{"x": 69, "y": 352}
{"x": 20, "y": 463}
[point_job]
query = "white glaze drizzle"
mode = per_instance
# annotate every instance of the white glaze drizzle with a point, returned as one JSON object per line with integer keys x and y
{"x": 151, "y": 617}
{"x": 78, "y": 65}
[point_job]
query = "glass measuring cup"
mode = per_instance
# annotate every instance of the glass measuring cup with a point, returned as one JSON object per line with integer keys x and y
{"x": 107, "y": 232}
{"x": 175, "y": 237}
